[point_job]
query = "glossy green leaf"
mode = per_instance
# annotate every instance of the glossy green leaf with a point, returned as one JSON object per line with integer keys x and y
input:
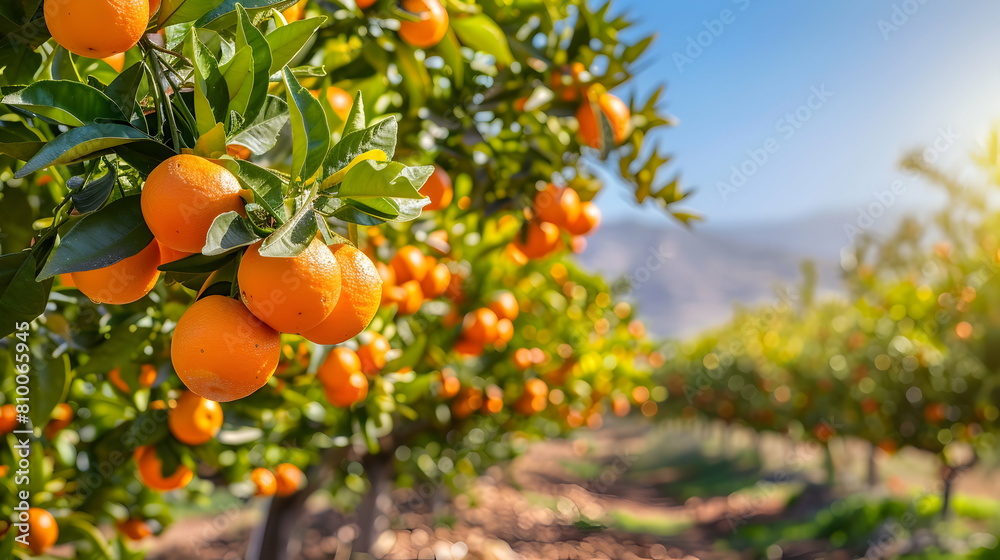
{"x": 261, "y": 134}
{"x": 479, "y": 32}
{"x": 268, "y": 188}
{"x": 248, "y": 36}
{"x": 229, "y": 231}
{"x": 310, "y": 132}
{"x": 78, "y": 144}
{"x": 173, "y": 12}
{"x": 371, "y": 179}
{"x": 288, "y": 40}
{"x": 293, "y": 236}
{"x": 21, "y": 297}
{"x": 94, "y": 194}
{"x": 379, "y": 136}
{"x": 70, "y": 103}
{"x": 101, "y": 239}
{"x": 211, "y": 95}
{"x": 356, "y": 119}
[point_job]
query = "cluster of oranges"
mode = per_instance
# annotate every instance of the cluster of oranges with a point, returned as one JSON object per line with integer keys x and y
{"x": 72, "y": 23}
{"x": 430, "y": 27}
{"x": 284, "y": 481}
{"x": 555, "y": 209}
{"x": 488, "y": 326}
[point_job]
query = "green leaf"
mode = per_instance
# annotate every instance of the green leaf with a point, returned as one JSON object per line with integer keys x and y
{"x": 371, "y": 179}
{"x": 249, "y": 36}
{"x": 21, "y": 298}
{"x": 120, "y": 347}
{"x": 125, "y": 86}
{"x": 224, "y": 15}
{"x": 481, "y": 33}
{"x": 94, "y": 194}
{"x": 416, "y": 78}
{"x": 62, "y": 67}
{"x": 238, "y": 73}
{"x": 268, "y": 188}
{"x": 356, "y": 119}
{"x": 451, "y": 52}
{"x": 70, "y": 103}
{"x": 173, "y": 12}
{"x": 144, "y": 156}
{"x": 229, "y": 231}
{"x": 19, "y": 141}
{"x": 49, "y": 383}
{"x": 261, "y": 134}
{"x": 379, "y": 136}
{"x": 287, "y": 41}
{"x": 75, "y": 528}
{"x": 211, "y": 95}
{"x": 310, "y": 132}
{"x": 79, "y": 144}
{"x": 101, "y": 239}
{"x": 293, "y": 236}
{"x": 212, "y": 144}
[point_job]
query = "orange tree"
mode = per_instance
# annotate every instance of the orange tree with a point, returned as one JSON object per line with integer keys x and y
{"x": 190, "y": 304}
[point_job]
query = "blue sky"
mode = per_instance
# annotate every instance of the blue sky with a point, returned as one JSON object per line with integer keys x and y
{"x": 930, "y": 72}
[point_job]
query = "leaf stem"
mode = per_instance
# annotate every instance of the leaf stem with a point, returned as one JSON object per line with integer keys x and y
{"x": 164, "y": 100}
{"x": 352, "y": 233}
{"x": 165, "y": 50}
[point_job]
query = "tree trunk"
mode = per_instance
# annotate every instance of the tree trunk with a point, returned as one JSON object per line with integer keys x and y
{"x": 371, "y": 510}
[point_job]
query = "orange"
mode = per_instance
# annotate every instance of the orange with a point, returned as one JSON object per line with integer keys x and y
{"x": 409, "y": 297}
{"x": 195, "y": 420}
{"x": 516, "y": 255}
{"x": 147, "y": 376}
{"x": 365, "y": 4}
{"x": 620, "y": 406}
{"x": 296, "y": 12}
{"x": 265, "y": 481}
{"x": 438, "y": 188}
{"x": 66, "y": 279}
{"x": 117, "y": 61}
{"x": 505, "y": 331}
{"x": 340, "y": 101}
{"x": 431, "y": 28}
{"x": 372, "y": 354}
{"x": 345, "y": 391}
{"x": 587, "y": 221}
{"x": 8, "y": 419}
{"x": 468, "y": 402}
{"x": 409, "y": 264}
{"x": 360, "y": 295}
{"x": 522, "y": 358}
{"x": 291, "y": 294}
{"x": 614, "y": 109}
{"x": 42, "y": 533}
{"x": 450, "y": 385}
{"x": 493, "y": 403}
{"x": 436, "y": 282}
{"x": 535, "y": 397}
{"x": 151, "y": 473}
{"x": 504, "y": 304}
{"x": 169, "y": 255}
{"x": 543, "y": 239}
{"x": 97, "y": 28}
{"x": 289, "y": 479}
{"x": 578, "y": 244}
{"x": 468, "y": 348}
{"x": 340, "y": 362}
{"x": 183, "y": 196}
{"x": 480, "y": 326}
{"x": 388, "y": 276}
{"x": 123, "y": 282}
{"x": 237, "y": 151}
{"x": 556, "y": 205}
{"x": 61, "y": 417}
{"x": 223, "y": 352}
{"x": 153, "y": 6}
{"x": 134, "y": 529}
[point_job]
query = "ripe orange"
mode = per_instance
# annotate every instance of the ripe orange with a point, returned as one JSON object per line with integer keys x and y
{"x": 614, "y": 109}
{"x": 409, "y": 263}
{"x": 8, "y": 419}
{"x": 169, "y": 255}
{"x": 437, "y": 281}
{"x": 340, "y": 362}
{"x": 97, "y": 28}
{"x": 123, "y": 282}
{"x": 296, "y": 12}
{"x": 66, "y": 279}
{"x": 556, "y": 205}
{"x": 291, "y": 294}
{"x": 62, "y": 415}
{"x": 346, "y": 390}
{"x": 468, "y": 402}
{"x": 223, "y": 352}
{"x": 340, "y": 101}
{"x": 505, "y": 305}
{"x": 480, "y": 326}
{"x": 153, "y": 6}
{"x": 543, "y": 238}
{"x": 289, "y": 479}
{"x": 522, "y": 358}
{"x": 388, "y": 276}
{"x": 42, "y": 532}
{"x": 493, "y": 403}
{"x": 151, "y": 474}
{"x": 365, "y": 4}
{"x": 468, "y": 348}
{"x": 620, "y": 405}
{"x": 372, "y": 354}
{"x": 535, "y": 397}
{"x": 265, "y": 481}
{"x": 116, "y": 61}
{"x": 409, "y": 296}
{"x": 450, "y": 385}
{"x": 195, "y": 420}
{"x": 237, "y": 151}
{"x": 438, "y": 188}
{"x": 360, "y": 295}
{"x": 505, "y": 331}
{"x": 431, "y": 28}
{"x": 587, "y": 220}
{"x": 147, "y": 376}
{"x": 183, "y": 196}
{"x": 134, "y": 529}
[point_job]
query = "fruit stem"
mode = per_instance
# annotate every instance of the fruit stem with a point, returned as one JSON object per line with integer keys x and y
{"x": 352, "y": 233}
{"x": 165, "y": 50}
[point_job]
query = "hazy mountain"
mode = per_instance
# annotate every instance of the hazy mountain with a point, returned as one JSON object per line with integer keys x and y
{"x": 686, "y": 281}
